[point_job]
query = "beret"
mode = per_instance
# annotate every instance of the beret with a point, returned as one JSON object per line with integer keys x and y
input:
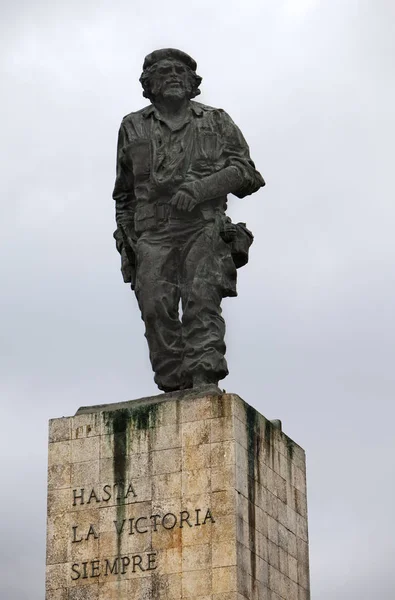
{"x": 169, "y": 54}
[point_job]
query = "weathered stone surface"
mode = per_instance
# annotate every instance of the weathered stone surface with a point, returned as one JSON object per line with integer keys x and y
{"x": 175, "y": 497}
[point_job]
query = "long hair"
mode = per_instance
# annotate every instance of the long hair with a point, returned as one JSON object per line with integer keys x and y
{"x": 147, "y": 74}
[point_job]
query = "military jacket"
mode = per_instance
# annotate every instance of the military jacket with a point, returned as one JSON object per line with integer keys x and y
{"x": 153, "y": 160}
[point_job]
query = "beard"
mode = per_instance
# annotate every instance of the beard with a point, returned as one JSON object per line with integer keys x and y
{"x": 174, "y": 91}
{"x": 177, "y": 90}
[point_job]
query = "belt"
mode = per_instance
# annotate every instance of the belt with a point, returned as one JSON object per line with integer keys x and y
{"x": 165, "y": 212}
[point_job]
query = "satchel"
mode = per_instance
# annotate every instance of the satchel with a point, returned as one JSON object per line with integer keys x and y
{"x": 240, "y": 245}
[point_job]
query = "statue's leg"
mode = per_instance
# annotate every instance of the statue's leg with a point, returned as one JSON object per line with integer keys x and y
{"x": 202, "y": 290}
{"x": 158, "y": 295}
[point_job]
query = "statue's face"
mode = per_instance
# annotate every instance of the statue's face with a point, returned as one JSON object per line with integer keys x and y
{"x": 171, "y": 79}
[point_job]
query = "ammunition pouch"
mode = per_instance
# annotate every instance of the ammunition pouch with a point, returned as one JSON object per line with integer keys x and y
{"x": 145, "y": 218}
{"x": 240, "y": 245}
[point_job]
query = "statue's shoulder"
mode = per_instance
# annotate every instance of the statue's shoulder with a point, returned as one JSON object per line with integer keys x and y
{"x": 137, "y": 114}
{"x": 218, "y": 117}
{"x": 199, "y": 107}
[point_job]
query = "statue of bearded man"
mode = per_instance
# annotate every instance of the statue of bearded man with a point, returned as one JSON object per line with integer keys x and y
{"x": 177, "y": 162}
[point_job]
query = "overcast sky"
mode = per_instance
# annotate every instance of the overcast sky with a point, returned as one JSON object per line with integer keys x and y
{"x": 311, "y": 336}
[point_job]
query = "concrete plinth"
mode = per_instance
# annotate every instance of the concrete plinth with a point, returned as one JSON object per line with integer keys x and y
{"x": 175, "y": 497}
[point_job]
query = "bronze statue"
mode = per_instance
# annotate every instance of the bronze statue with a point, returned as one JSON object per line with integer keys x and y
{"x": 177, "y": 161}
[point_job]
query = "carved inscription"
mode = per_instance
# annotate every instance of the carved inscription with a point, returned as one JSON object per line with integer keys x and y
{"x": 124, "y": 494}
{"x": 117, "y": 566}
{"x": 145, "y": 523}
{"x": 118, "y": 491}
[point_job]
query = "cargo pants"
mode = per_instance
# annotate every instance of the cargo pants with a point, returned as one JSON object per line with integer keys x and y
{"x": 183, "y": 270}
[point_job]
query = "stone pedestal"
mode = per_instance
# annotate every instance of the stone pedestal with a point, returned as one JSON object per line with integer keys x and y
{"x": 175, "y": 497}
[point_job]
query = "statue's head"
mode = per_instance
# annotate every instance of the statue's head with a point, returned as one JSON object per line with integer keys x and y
{"x": 169, "y": 73}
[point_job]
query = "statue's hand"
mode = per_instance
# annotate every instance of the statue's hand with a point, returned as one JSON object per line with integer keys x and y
{"x": 184, "y": 200}
{"x": 229, "y": 232}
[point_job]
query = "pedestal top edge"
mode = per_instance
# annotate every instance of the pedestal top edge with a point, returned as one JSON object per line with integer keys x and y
{"x": 207, "y": 390}
{"x": 192, "y": 394}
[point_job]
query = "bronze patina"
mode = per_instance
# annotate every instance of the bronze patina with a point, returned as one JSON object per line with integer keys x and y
{"x": 177, "y": 162}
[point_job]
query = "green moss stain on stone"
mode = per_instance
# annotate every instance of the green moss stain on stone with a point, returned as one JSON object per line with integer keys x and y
{"x": 268, "y": 431}
{"x": 140, "y": 418}
{"x": 290, "y": 454}
{"x": 144, "y": 417}
{"x": 120, "y": 426}
{"x": 220, "y": 404}
{"x": 290, "y": 448}
{"x": 254, "y": 446}
{"x": 123, "y": 424}
{"x": 118, "y": 423}
{"x": 178, "y": 414}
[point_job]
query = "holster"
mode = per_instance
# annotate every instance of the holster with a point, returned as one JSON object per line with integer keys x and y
{"x": 240, "y": 245}
{"x": 125, "y": 246}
